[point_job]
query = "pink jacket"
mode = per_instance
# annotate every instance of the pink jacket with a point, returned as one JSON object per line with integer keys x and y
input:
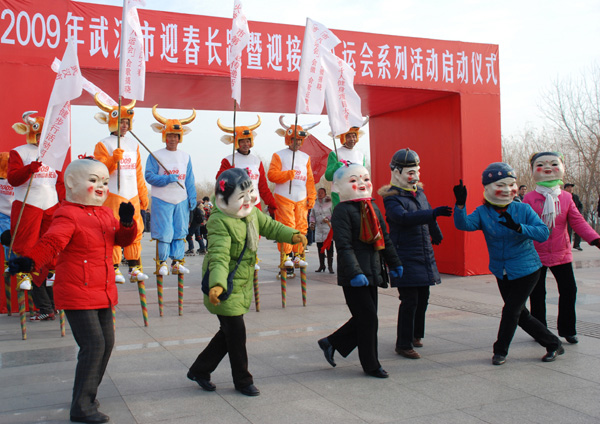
{"x": 557, "y": 249}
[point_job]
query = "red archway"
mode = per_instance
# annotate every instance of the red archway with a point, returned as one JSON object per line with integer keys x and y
{"x": 440, "y": 98}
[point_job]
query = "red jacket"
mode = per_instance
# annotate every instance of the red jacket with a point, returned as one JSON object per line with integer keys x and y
{"x": 84, "y": 236}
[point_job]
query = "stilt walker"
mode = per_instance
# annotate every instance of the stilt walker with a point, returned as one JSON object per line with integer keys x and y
{"x": 171, "y": 205}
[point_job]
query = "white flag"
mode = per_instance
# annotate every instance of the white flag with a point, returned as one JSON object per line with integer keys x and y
{"x": 240, "y": 35}
{"x": 311, "y": 92}
{"x": 55, "y": 137}
{"x": 343, "y": 103}
{"x": 132, "y": 62}
{"x": 89, "y": 86}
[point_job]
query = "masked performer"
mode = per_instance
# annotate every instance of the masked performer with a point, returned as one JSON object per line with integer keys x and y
{"x": 363, "y": 246}
{"x": 45, "y": 192}
{"x": 129, "y": 187}
{"x": 345, "y": 153}
{"x": 171, "y": 204}
{"x": 82, "y": 231}
{"x": 292, "y": 205}
{"x": 413, "y": 230}
{"x": 233, "y": 228}
{"x": 557, "y": 209}
{"x": 509, "y": 228}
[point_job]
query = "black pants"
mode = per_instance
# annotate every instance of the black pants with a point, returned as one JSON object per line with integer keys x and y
{"x": 567, "y": 296}
{"x": 361, "y": 330}
{"x": 515, "y": 293}
{"x": 94, "y": 333}
{"x": 411, "y": 315}
{"x": 230, "y": 339}
{"x": 43, "y": 298}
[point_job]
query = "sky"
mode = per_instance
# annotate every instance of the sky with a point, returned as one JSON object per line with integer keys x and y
{"x": 539, "y": 41}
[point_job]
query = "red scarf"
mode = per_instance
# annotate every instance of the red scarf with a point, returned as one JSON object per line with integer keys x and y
{"x": 370, "y": 228}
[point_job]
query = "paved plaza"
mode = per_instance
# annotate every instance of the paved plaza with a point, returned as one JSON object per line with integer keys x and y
{"x": 453, "y": 382}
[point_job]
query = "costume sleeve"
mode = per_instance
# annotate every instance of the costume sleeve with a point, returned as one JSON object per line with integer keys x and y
{"x": 263, "y": 189}
{"x": 60, "y": 186}
{"x": 190, "y": 185}
{"x": 152, "y": 175}
{"x": 466, "y": 223}
{"x": 141, "y": 183}
{"x": 101, "y": 154}
{"x": 533, "y": 227}
{"x": 274, "y": 230}
{"x": 311, "y": 193}
{"x": 579, "y": 224}
{"x": 225, "y": 165}
{"x": 125, "y": 235}
{"x": 18, "y": 174}
{"x": 396, "y": 213}
{"x": 53, "y": 241}
{"x": 276, "y": 175}
{"x": 332, "y": 166}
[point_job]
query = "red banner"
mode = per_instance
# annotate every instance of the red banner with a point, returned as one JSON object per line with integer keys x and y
{"x": 36, "y": 31}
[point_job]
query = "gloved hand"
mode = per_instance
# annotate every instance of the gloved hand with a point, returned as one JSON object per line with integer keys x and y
{"x": 359, "y": 281}
{"x": 173, "y": 178}
{"x": 509, "y": 223}
{"x": 299, "y": 238}
{"x": 397, "y": 272}
{"x": 442, "y": 211}
{"x": 35, "y": 166}
{"x": 20, "y": 264}
{"x": 596, "y": 243}
{"x": 118, "y": 154}
{"x": 126, "y": 211}
{"x": 291, "y": 174}
{"x": 460, "y": 193}
{"x": 5, "y": 238}
{"x": 213, "y": 295}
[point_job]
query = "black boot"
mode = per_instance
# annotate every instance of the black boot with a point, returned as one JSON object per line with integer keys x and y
{"x": 330, "y": 264}
{"x": 321, "y": 262}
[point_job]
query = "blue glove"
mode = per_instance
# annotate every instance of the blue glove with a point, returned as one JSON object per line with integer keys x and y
{"x": 173, "y": 178}
{"x": 359, "y": 281}
{"x": 396, "y": 272}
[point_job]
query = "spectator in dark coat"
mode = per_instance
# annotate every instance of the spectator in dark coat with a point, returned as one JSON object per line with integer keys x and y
{"x": 362, "y": 246}
{"x": 413, "y": 228}
{"x": 579, "y": 206}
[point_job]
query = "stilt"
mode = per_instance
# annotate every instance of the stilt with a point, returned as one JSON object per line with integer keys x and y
{"x": 180, "y": 294}
{"x": 142, "y": 292}
{"x": 283, "y": 277}
{"x": 61, "y": 318}
{"x": 7, "y": 291}
{"x": 21, "y": 298}
{"x": 159, "y": 283}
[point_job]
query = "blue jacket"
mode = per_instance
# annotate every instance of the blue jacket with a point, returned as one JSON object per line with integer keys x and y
{"x": 412, "y": 228}
{"x": 511, "y": 253}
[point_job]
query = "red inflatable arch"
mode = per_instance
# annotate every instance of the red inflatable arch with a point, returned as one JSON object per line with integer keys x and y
{"x": 440, "y": 98}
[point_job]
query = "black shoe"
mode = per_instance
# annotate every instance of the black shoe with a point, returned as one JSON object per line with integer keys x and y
{"x": 572, "y": 339}
{"x": 202, "y": 382}
{"x": 331, "y": 271}
{"x": 250, "y": 390}
{"x": 498, "y": 359}
{"x": 328, "y": 350}
{"x": 578, "y": 248}
{"x": 98, "y": 417}
{"x": 551, "y": 356}
{"x": 321, "y": 269}
{"x": 379, "y": 373}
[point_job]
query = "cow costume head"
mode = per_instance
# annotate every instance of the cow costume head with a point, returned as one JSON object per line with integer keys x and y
{"x": 31, "y": 127}
{"x": 294, "y": 131}
{"x": 241, "y": 132}
{"x": 111, "y": 117}
{"x": 353, "y": 135}
{"x": 172, "y": 126}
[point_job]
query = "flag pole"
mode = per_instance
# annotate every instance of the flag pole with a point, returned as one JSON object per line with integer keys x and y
{"x": 119, "y": 146}
{"x": 294, "y": 150}
{"x": 233, "y": 154}
{"x": 155, "y": 158}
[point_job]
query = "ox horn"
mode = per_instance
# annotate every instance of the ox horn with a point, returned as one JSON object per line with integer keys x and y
{"x": 286, "y": 127}
{"x": 255, "y": 126}
{"x": 157, "y": 116}
{"x": 189, "y": 119}
{"x": 223, "y": 127}
{"x": 27, "y": 119}
{"x": 309, "y": 126}
{"x": 130, "y": 105}
{"x": 101, "y": 105}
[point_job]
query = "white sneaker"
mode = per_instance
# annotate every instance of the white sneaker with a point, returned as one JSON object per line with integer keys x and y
{"x": 119, "y": 279}
{"x": 24, "y": 281}
{"x": 288, "y": 262}
{"x": 299, "y": 263}
{"x": 50, "y": 280}
{"x": 256, "y": 267}
{"x": 178, "y": 268}
{"x": 137, "y": 275}
{"x": 163, "y": 269}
